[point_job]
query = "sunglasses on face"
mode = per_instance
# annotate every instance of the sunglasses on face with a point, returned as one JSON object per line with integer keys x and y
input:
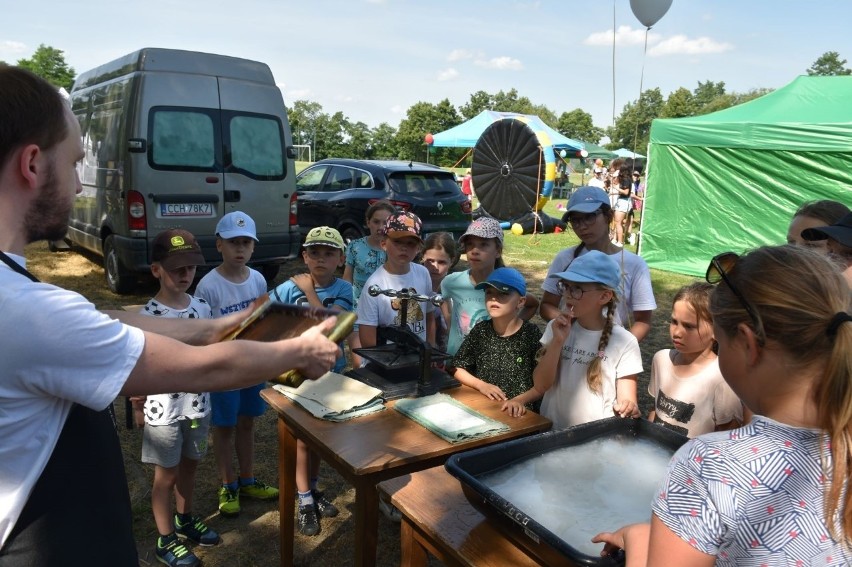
{"x": 718, "y": 271}
{"x": 576, "y": 220}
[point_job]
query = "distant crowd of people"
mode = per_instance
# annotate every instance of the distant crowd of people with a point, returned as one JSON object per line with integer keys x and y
{"x": 758, "y": 374}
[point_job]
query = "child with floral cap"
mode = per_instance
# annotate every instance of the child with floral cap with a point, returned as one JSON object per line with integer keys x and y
{"x": 402, "y": 243}
{"x": 588, "y": 366}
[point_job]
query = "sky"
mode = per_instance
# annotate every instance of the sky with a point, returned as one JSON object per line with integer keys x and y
{"x": 373, "y": 59}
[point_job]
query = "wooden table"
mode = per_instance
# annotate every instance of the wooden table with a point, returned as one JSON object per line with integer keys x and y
{"x": 437, "y": 518}
{"x": 370, "y": 449}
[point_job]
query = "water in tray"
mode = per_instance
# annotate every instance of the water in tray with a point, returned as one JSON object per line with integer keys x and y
{"x": 581, "y": 490}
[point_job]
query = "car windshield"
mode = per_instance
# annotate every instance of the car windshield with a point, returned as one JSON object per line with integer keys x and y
{"x": 423, "y": 183}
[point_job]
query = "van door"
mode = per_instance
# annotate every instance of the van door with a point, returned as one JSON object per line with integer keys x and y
{"x": 258, "y": 178}
{"x": 182, "y": 179}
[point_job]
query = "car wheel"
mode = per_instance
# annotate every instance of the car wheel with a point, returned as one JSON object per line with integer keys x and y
{"x": 119, "y": 278}
{"x": 270, "y": 272}
{"x": 350, "y": 233}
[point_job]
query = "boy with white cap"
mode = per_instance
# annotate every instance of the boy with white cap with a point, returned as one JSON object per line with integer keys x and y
{"x": 231, "y": 287}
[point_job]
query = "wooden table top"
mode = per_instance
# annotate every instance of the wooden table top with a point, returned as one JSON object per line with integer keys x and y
{"x": 433, "y": 501}
{"x": 387, "y": 439}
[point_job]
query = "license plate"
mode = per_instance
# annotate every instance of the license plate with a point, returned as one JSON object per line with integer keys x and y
{"x": 186, "y": 209}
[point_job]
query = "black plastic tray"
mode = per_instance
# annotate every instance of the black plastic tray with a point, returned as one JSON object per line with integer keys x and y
{"x": 550, "y": 549}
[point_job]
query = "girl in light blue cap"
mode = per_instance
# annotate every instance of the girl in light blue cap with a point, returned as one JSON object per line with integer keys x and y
{"x": 588, "y": 366}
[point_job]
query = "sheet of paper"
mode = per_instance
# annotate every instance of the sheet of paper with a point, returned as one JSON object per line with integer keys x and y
{"x": 449, "y": 417}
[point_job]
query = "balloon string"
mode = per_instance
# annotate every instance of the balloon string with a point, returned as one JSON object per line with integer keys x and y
{"x": 639, "y": 103}
{"x": 613, "y": 63}
{"x": 462, "y": 158}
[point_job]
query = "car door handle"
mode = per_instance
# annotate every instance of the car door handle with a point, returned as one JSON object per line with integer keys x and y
{"x": 232, "y": 196}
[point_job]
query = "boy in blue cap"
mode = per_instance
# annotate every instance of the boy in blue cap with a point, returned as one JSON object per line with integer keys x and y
{"x": 497, "y": 357}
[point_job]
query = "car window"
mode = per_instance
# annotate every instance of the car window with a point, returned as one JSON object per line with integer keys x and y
{"x": 363, "y": 180}
{"x": 422, "y": 183}
{"x": 310, "y": 179}
{"x": 339, "y": 178}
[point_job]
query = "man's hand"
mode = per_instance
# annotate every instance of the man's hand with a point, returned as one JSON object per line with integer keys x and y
{"x": 318, "y": 353}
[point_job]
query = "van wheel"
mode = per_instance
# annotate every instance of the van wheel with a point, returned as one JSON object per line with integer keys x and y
{"x": 119, "y": 279}
{"x": 270, "y": 272}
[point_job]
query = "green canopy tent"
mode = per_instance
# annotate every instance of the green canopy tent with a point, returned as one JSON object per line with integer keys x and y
{"x": 731, "y": 180}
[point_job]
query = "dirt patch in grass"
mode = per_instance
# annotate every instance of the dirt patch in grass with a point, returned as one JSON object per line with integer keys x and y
{"x": 252, "y": 538}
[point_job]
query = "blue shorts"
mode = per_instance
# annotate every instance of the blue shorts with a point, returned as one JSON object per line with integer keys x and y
{"x": 227, "y": 406}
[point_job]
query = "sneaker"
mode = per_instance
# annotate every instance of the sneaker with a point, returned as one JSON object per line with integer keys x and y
{"x": 175, "y": 554}
{"x": 307, "y": 521}
{"x": 390, "y": 511}
{"x": 323, "y": 505}
{"x": 196, "y": 531}
{"x": 259, "y": 491}
{"x": 229, "y": 502}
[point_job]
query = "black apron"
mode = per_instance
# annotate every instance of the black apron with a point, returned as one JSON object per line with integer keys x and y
{"x": 79, "y": 509}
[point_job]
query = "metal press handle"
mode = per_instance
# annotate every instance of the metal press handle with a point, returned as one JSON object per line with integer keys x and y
{"x": 435, "y": 299}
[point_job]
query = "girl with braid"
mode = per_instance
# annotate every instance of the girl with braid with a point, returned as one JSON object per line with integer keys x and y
{"x": 588, "y": 364}
{"x": 777, "y": 490}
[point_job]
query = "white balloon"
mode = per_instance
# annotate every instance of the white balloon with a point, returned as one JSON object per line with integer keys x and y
{"x": 649, "y": 12}
{"x": 584, "y": 153}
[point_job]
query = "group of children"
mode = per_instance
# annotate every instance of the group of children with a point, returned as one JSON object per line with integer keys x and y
{"x": 582, "y": 367}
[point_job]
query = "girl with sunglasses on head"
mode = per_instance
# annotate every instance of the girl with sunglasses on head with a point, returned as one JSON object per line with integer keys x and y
{"x": 589, "y": 214}
{"x": 588, "y": 365}
{"x": 775, "y": 491}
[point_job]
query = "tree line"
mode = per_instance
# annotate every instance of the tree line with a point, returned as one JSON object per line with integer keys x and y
{"x": 334, "y": 135}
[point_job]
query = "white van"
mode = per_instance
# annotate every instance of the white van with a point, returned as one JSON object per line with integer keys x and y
{"x": 177, "y": 139}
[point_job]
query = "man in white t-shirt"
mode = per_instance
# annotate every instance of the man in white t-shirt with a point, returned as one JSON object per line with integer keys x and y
{"x": 62, "y": 362}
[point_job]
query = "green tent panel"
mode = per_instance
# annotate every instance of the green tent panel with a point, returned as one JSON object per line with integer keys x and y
{"x": 731, "y": 180}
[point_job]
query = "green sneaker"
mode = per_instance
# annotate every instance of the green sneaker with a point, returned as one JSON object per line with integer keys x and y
{"x": 196, "y": 531}
{"x": 258, "y": 491}
{"x": 229, "y": 502}
{"x": 170, "y": 551}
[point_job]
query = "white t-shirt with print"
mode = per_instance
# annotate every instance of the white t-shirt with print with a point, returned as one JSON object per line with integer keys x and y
{"x": 384, "y": 311}
{"x": 570, "y": 401}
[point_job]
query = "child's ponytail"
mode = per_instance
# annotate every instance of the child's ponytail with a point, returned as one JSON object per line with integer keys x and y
{"x": 835, "y": 400}
{"x": 593, "y": 374}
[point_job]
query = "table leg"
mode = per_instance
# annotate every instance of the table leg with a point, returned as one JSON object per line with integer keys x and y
{"x": 366, "y": 522}
{"x": 287, "y": 488}
{"x": 413, "y": 554}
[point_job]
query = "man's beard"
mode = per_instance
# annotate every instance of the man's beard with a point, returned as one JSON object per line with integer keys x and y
{"x": 47, "y": 218}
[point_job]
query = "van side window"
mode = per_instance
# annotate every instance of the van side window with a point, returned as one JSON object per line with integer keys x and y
{"x": 256, "y": 146}
{"x": 182, "y": 139}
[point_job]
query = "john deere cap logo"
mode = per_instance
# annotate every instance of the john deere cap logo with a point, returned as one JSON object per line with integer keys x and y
{"x": 177, "y": 241}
